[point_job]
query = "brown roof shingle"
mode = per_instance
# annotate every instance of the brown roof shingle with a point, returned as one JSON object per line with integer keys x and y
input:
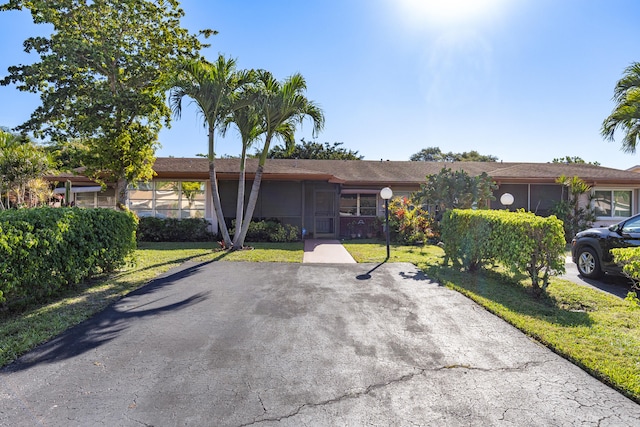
{"x": 363, "y": 172}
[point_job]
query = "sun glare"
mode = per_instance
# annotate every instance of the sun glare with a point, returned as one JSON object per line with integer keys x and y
{"x": 445, "y": 13}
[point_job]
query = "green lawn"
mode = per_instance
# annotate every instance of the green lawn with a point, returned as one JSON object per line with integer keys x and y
{"x": 598, "y": 332}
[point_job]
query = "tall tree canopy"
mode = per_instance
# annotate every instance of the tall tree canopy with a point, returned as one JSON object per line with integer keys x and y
{"x": 213, "y": 87}
{"x": 314, "y": 150}
{"x": 569, "y": 160}
{"x": 102, "y": 79}
{"x": 281, "y": 107}
{"x": 626, "y": 114}
{"x": 21, "y": 162}
{"x": 450, "y": 189}
{"x": 435, "y": 154}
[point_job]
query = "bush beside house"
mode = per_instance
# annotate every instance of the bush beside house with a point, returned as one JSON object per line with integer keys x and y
{"x": 520, "y": 241}
{"x": 409, "y": 222}
{"x": 152, "y": 229}
{"x": 629, "y": 260}
{"x": 197, "y": 230}
{"x": 43, "y": 250}
{"x": 271, "y": 231}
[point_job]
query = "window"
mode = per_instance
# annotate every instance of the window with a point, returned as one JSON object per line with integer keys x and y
{"x": 168, "y": 199}
{"x": 358, "y": 204}
{"x": 612, "y": 203}
{"x": 102, "y": 199}
{"x": 348, "y": 204}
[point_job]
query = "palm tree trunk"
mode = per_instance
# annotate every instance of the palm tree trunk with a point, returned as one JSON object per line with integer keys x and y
{"x": 121, "y": 194}
{"x": 217, "y": 205}
{"x": 251, "y": 206}
{"x": 240, "y": 202}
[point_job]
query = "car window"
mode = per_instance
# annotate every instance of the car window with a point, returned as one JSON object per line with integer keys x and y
{"x": 632, "y": 226}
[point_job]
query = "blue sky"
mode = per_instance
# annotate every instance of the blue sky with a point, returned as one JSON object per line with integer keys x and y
{"x": 523, "y": 80}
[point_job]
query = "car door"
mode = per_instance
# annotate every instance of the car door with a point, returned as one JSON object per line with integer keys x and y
{"x": 627, "y": 234}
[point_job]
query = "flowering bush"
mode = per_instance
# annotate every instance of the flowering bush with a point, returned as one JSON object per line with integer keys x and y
{"x": 409, "y": 222}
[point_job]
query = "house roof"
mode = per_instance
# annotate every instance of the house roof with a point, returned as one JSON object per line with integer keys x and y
{"x": 366, "y": 172}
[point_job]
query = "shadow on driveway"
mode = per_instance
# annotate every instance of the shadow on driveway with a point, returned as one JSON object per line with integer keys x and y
{"x": 110, "y": 323}
{"x": 618, "y": 286}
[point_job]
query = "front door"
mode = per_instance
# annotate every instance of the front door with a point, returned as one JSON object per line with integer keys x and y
{"x": 324, "y": 214}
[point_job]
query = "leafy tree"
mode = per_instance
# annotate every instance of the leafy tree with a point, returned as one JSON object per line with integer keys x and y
{"x": 211, "y": 86}
{"x": 21, "y": 164}
{"x": 67, "y": 155}
{"x": 473, "y": 156}
{"x": 281, "y": 106}
{"x": 431, "y": 154}
{"x": 101, "y": 79}
{"x": 626, "y": 114}
{"x": 574, "y": 217}
{"x": 569, "y": 160}
{"x": 450, "y": 189}
{"x": 314, "y": 150}
{"x": 434, "y": 154}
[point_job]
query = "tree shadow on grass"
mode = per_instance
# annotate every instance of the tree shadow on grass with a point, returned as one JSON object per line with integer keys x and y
{"x": 508, "y": 292}
{"x": 110, "y": 323}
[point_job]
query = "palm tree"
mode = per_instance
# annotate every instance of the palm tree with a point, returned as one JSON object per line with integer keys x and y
{"x": 211, "y": 86}
{"x": 244, "y": 116}
{"x": 281, "y": 107}
{"x": 626, "y": 114}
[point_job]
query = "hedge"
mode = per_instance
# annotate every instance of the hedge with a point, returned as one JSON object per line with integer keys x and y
{"x": 45, "y": 250}
{"x": 270, "y": 230}
{"x": 152, "y": 229}
{"x": 521, "y": 241}
{"x": 629, "y": 260}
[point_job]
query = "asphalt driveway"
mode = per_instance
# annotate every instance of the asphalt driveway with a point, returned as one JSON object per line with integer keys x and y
{"x": 619, "y": 286}
{"x": 238, "y": 344}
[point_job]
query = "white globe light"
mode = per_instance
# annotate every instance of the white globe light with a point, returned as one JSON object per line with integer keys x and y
{"x": 386, "y": 193}
{"x": 506, "y": 199}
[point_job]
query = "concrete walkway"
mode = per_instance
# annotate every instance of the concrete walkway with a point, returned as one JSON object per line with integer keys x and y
{"x": 234, "y": 344}
{"x": 326, "y": 252}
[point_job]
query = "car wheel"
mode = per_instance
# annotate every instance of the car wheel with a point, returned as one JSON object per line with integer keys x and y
{"x": 589, "y": 264}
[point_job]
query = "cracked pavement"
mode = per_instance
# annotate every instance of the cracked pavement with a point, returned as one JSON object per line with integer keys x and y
{"x": 270, "y": 344}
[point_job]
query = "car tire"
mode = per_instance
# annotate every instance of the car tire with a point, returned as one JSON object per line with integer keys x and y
{"x": 588, "y": 263}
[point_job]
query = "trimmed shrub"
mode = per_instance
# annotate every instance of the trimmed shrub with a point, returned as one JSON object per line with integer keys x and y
{"x": 408, "y": 221}
{"x": 44, "y": 250}
{"x": 152, "y": 229}
{"x": 270, "y": 231}
{"x": 629, "y": 260}
{"x": 521, "y": 241}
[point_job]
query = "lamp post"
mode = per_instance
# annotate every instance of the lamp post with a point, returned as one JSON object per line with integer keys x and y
{"x": 506, "y": 199}
{"x": 386, "y": 194}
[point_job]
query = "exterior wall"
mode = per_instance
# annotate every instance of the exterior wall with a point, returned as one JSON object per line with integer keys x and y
{"x": 536, "y": 198}
{"x": 290, "y": 202}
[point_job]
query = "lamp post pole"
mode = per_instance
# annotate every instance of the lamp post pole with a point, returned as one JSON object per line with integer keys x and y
{"x": 386, "y": 220}
{"x": 386, "y": 194}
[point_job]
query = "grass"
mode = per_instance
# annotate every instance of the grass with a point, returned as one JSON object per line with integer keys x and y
{"x": 596, "y": 331}
{"x": 24, "y": 330}
{"x": 599, "y": 332}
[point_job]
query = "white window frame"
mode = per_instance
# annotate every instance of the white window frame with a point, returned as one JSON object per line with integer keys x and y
{"x": 153, "y": 190}
{"x": 358, "y": 193}
{"x": 611, "y": 191}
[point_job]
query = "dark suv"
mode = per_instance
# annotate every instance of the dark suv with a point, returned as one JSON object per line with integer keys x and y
{"x": 590, "y": 248}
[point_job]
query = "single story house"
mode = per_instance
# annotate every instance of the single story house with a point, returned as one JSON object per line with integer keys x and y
{"x": 327, "y": 198}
